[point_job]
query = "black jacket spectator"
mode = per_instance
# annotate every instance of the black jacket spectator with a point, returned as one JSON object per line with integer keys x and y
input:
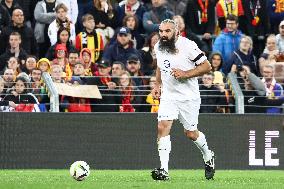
{"x": 10, "y": 10}
{"x": 28, "y": 6}
{"x": 5, "y": 18}
{"x": 193, "y": 20}
{"x": 116, "y": 52}
{"x": 27, "y": 35}
{"x": 239, "y": 59}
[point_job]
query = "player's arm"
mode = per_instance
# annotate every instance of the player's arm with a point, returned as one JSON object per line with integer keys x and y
{"x": 156, "y": 92}
{"x": 199, "y": 70}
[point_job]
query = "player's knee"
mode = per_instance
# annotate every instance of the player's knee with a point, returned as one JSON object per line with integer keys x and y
{"x": 163, "y": 126}
{"x": 192, "y": 135}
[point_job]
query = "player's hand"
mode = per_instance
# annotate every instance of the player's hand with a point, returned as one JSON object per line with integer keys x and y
{"x": 178, "y": 74}
{"x": 156, "y": 92}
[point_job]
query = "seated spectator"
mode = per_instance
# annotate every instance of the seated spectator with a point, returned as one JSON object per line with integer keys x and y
{"x": 273, "y": 89}
{"x": 116, "y": 71}
{"x": 90, "y": 39}
{"x": 216, "y": 61}
{"x": 105, "y": 17}
{"x": 243, "y": 56}
{"x": 133, "y": 66}
{"x": 44, "y": 14}
{"x": 44, "y": 65}
{"x": 148, "y": 56}
{"x": 89, "y": 65}
{"x": 121, "y": 49}
{"x": 63, "y": 36}
{"x": 280, "y": 38}
{"x": 62, "y": 60}
{"x": 211, "y": 97}
{"x": 132, "y": 8}
{"x": 73, "y": 58}
{"x": 13, "y": 50}
{"x": 14, "y": 64}
{"x": 30, "y": 64}
{"x": 150, "y": 100}
{"x": 20, "y": 93}
{"x": 78, "y": 104}
{"x": 56, "y": 73}
{"x": 153, "y": 17}
{"x": 128, "y": 90}
{"x": 9, "y": 78}
{"x": 4, "y": 104}
{"x": 5, "y": 18}
{"x": 271, "y": 53}
{"x": 111, "y": 97}
{"x": 78, "y": 73}
{"x": 61, "y": 21}
{"x": 38, "y": 89}
{"x": 28, "y": 42}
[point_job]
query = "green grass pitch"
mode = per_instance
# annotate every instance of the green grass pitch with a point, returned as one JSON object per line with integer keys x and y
{"x": 136, "y": 179}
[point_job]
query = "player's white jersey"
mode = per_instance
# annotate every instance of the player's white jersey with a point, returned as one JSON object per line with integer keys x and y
{"x": 188, "y": 56}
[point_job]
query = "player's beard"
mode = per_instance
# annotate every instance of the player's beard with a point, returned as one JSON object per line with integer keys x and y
{"x": 168, "y": 45}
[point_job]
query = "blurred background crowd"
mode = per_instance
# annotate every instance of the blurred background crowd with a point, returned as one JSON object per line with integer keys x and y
{"x": 110, "y": 44}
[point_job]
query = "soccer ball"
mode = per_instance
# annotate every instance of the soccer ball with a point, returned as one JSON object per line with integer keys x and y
{"x": 79, "y": 170}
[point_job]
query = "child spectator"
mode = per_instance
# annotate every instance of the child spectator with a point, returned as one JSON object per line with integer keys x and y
{"x": 90, "y": 39}
{"x": 86, "y": 57}
{"x": 78, "y": 104}
{"x": 44, "y": 65}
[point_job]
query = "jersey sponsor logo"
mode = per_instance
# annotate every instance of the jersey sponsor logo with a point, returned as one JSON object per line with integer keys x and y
{"x": 167, "y": 64}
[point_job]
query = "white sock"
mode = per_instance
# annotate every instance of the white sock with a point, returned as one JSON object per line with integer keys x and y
{"x": 164, "y": 148}
{"x": 202, "y": 145}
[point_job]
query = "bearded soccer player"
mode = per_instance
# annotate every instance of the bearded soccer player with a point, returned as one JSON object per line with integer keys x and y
{"x": 179, "y": 62}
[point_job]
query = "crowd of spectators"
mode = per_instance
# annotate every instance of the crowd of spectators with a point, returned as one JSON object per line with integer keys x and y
{"x": 110, "y": 44}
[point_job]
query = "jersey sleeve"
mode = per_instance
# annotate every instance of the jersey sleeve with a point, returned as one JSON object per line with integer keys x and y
{"x": 195, "y": 54}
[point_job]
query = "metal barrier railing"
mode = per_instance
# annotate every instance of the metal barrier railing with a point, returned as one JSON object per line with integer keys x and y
{"x": 54, "y": 96}
{"x": 239, "y": 97}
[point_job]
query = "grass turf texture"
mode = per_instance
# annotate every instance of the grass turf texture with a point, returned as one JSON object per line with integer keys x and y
{"x": 108, "y": 179}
